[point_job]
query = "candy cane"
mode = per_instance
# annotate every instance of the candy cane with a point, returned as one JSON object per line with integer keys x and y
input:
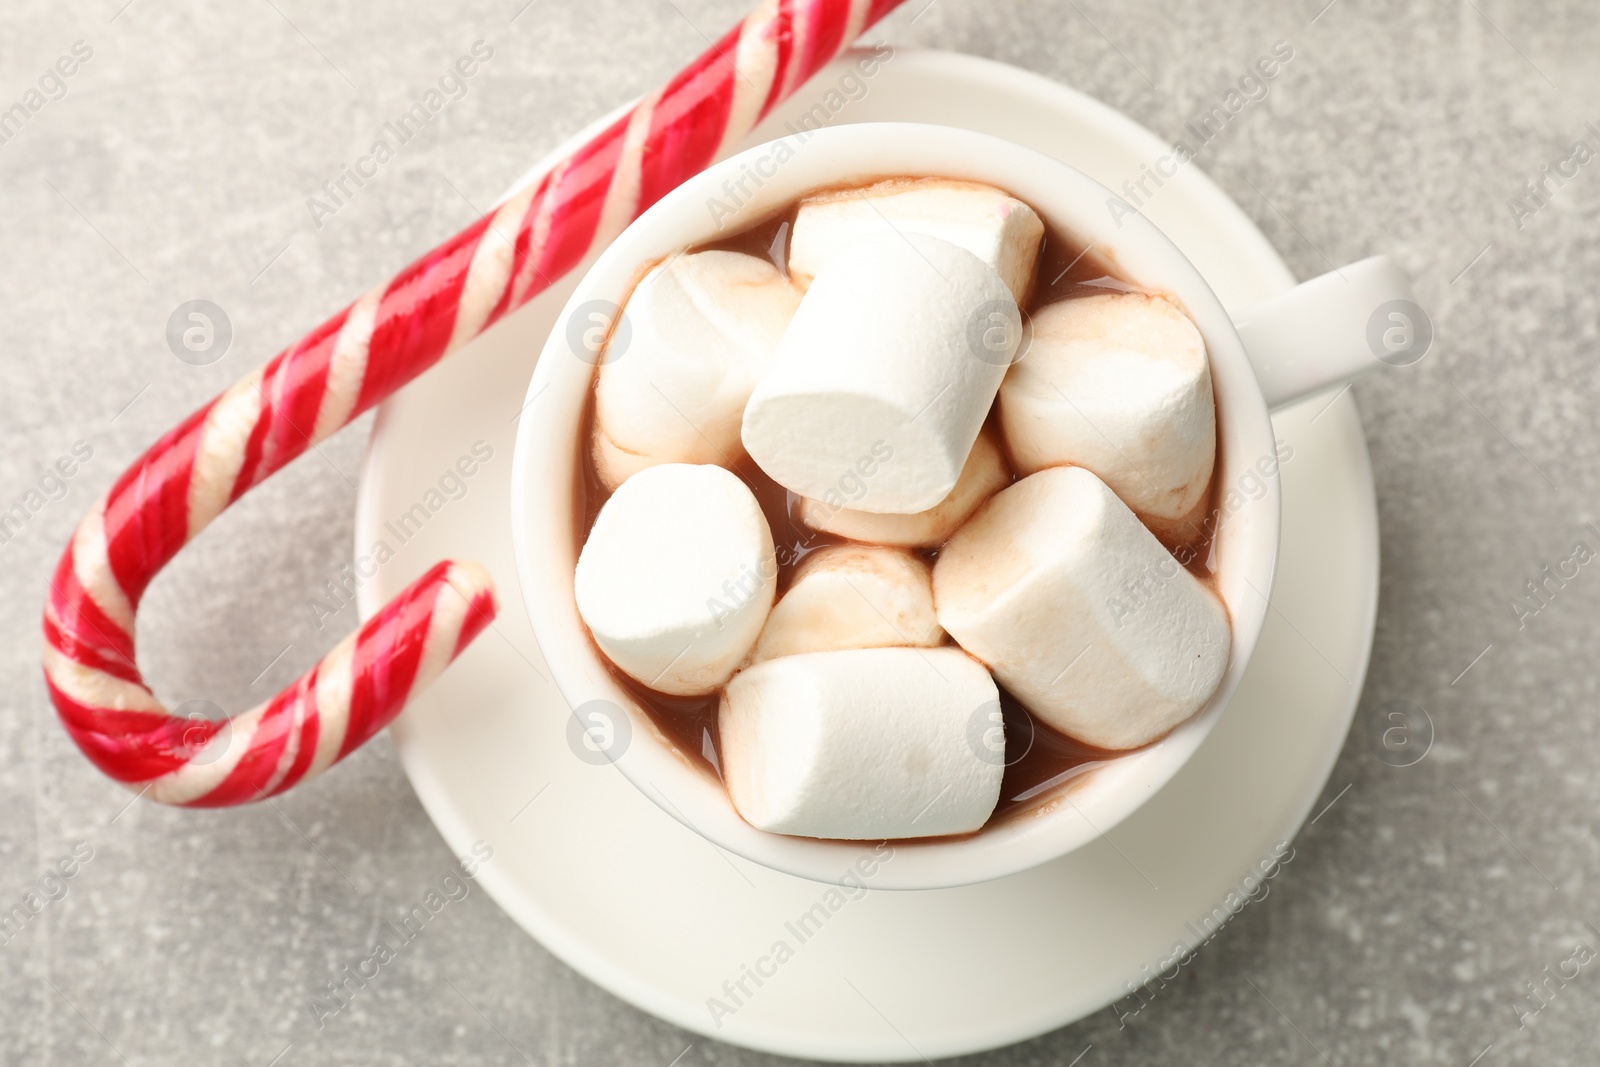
{"x": 351, "y": 362}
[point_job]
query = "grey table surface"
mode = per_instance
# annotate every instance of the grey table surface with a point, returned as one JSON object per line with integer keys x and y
{"x": 1422, "y": 904}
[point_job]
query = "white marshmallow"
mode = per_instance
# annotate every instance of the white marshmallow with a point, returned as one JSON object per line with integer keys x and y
{"x": 1080, "y": 612}
{"x": 860, "y": 744}
{"x": 677, "y": 577}
{"x": 701, "y": 329}
{"x": 1118, "y": 383}
{"x": 852, "y": 596}
{"x": 998, "y": 229}
{"x": 984, "y": 475}
{"x": 881, "y": 376}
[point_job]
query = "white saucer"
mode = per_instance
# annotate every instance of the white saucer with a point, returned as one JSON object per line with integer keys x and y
{"x": 660, "y": 917}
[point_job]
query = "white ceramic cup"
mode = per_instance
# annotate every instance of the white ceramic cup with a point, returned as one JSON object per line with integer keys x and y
{"x": 1314, "y": 336}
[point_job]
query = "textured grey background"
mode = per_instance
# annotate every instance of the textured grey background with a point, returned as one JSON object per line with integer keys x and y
{"x": 1420, "y": 904}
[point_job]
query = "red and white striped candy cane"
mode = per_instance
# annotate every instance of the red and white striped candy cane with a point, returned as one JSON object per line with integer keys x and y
{"x": 351, "y": 362}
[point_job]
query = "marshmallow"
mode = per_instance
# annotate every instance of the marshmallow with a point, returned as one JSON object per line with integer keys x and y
{"x": 1080, "y": 612}
{"x": 1000, "y": 230}
{"x": 852, "y": 596}
{"x": 700, "y": 329}
{"x": 677, "y": 577}
{"x": 1118, "y": 383}
{"x": 883, "y": 377}
{"x": 984, "y": 475}
{"x": 860, "y": 744}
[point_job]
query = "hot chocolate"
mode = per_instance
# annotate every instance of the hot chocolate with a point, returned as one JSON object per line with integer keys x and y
{"x": 965, "y": 434}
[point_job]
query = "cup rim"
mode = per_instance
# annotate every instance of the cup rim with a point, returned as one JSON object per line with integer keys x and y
{"x": 738, "y": 192}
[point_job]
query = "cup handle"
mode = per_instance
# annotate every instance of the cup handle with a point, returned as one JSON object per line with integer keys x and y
{"x": 1333, "y": 329}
